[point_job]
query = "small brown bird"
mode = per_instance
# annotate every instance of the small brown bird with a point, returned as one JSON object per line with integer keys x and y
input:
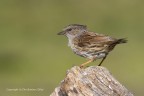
{"x": 87, "y": 44}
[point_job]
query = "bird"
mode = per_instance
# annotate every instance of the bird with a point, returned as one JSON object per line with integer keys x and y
{"x": 90, "y": 45}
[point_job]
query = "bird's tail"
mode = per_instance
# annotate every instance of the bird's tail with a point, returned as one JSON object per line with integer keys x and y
{"x": 122, "y": 40}
{"x": 118, "y": 41}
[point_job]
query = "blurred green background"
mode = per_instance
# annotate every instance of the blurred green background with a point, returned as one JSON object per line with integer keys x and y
{"x": 33, "y": 56}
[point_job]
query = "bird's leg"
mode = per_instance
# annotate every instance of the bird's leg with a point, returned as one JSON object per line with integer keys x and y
{"x": 86, "y": 62}
{"x": 102, "y": 61}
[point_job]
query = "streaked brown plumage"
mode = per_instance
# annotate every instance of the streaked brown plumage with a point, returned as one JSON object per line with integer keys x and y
{"x": 87, "y": 44}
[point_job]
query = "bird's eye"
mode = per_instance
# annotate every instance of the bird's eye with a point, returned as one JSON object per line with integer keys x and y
{"x": 69, "y": 29}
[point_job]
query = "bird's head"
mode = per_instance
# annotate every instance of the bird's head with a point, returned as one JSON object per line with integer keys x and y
{"x": 73, "y": 30}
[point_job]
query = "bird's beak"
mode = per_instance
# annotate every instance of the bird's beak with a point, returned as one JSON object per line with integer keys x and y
{"x": 61, "y": 33}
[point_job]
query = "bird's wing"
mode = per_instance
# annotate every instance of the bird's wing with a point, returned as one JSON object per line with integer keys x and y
{"x": 94, "y": 41}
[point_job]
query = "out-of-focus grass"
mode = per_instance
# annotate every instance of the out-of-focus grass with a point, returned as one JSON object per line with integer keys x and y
{"x": 33, "y": 56}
